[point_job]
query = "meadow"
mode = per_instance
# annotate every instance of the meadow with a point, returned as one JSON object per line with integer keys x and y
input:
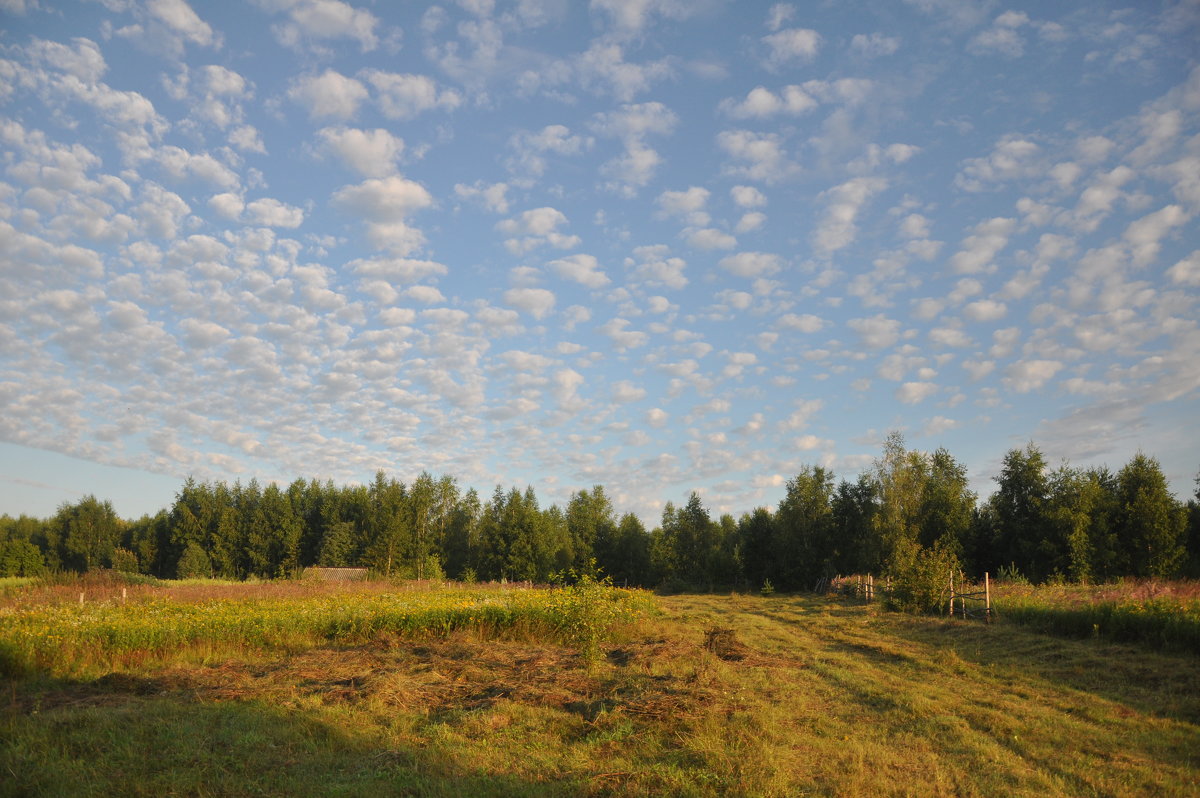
{"x": 369, "y": 689}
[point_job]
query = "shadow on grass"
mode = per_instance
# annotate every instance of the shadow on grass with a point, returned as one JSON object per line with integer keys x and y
{"x": 124, "y": 736}
{"x": 1152, "y": 682}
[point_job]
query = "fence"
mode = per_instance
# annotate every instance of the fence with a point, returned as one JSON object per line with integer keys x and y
{"x": 863, "y": 586}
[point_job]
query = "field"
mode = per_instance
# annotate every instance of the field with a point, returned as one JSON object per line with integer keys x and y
{"x": 266, "y": 689}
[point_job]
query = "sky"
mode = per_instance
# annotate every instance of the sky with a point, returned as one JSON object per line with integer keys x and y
{"x": 658, "y": 245}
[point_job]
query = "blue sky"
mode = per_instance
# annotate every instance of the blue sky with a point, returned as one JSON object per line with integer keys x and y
{"x": 660, "y": 245}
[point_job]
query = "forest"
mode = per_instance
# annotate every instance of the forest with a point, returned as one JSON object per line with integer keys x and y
{"x": 912, "y": 512}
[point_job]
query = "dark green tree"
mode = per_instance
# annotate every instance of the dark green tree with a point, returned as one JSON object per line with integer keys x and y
{"x": 1021, "y": 521}
{"x": 1150, "y": 523}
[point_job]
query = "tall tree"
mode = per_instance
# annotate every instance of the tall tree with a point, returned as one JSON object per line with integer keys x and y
{"x": 804, "y": 544}
{"x": 1021, "y": 512}
{"x": 1150, "y": 523}
{"x": 88, "y": 529}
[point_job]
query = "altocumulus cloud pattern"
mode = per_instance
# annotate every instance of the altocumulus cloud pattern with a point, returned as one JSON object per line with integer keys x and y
{"x": 660, "y": 245}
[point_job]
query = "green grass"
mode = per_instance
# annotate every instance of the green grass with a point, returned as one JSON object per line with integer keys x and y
{"x": 716, "y": 695}
{"x": 1160, "y": 614}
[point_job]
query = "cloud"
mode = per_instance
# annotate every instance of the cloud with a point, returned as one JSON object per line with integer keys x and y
{"x": 371, "y": 153}
{"x": 621, "y": 337}
{"x": 632, "y": 123}
{"x": 1012, "y": 158}
{"x": 1186, "y": 271}
{"x": 404, "y": 96}
{"x": 330, "y": 94}
{"x": 761, "y": 103}
{"x": 747, "y": 197}
{"x": 688, "y": 205}
{"x": 625, "y": 392}
{"x": 1029, "y": 375}
{"x": 710, "y": 238}
{"x": 876, "y": 332}
{"x": 179, "y": 17}
{"x": 273, "y": 213}
{"x": 323, "y": 19}
{"x": 757, "y": 156}
{"x": 911, "y": 393}
{"x": 981, "y": 247}
{"x": 805, "y": 323}
{"x": 751, "y": 264}
{"x": 653, "y": 266}
{"x": 985, "y": 310}
{"x": 582, "y": 269}
{"x": 533, "y": 228}
{"x": 791, "y": 45}
{"x": 384, "y": 199}
{"x": 874, "y": 45}
{"x": 1002, "y": 38}
{"x": 492, "y": 196}
{"x": 603, "y": 68}
{"x": 530, "y": 148}
{"x": 537, "y": 302}
{"x": 838, "y": 230}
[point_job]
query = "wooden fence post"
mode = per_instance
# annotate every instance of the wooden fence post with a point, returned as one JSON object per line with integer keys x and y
{"x": 987, "y": 599}
{"x": 951, "y": 592}
{"x": 80, "y": 599}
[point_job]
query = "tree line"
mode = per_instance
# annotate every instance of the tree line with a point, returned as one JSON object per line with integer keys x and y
{"x": 911, "y": 514}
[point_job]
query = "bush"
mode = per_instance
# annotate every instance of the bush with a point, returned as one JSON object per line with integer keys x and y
{"x": 125, "y": 561}
{"x": 920, "y": 577}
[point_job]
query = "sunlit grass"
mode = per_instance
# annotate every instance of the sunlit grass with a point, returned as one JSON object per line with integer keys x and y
{"x": 73, "y": 639}
{"x": 1161, "y": 614}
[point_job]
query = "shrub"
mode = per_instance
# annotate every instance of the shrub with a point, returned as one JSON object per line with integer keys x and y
{"x": 920, "y": 577}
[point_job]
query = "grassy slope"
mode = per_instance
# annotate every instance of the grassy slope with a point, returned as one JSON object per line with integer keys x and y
{"x": 810, "y": 696}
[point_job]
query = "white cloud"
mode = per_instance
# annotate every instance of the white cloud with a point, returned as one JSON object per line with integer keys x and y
{"x": 179, "y": 17}
{"x": 404, "y": 96}
{"x": 657, "y": 417}
{"x": 747, "y": 197}
{"x": 750, "y": 222}
{"x": 806, "y": 322}
{"x": 761, "y": 103}
{"x": 384, "y": 199}
{"x": 625, "y": 391}
{"x": 397, "y": 270}
{"x": 1145, "y": 233}
{"x": 760, "y": 155}
{"x": 1029, "y": 375}
{"x": 688, "y": 204}
{"x": 537, "y": 302}
{"x": 876, "y": 332}
{"x": 536, "y": 227}
{"x": 371, "y": 153}
{"x": 425, "y": 294}
{"x": 837, "y": 229}
{"x": 531, "y": 148}
{"x": 621, "y": 337}
{"x": 911, "y": 393}
{"x": 273, "y": 213}
{"x": 1186, "y": 271}
{"x": 603, "y": 68}
{"x": 653, "y": 265}
{"x": 874, "y": 45}
{"x": 791, "y": 45}
{"x": 751, "y": 264}
{"x": 632, "y": 123}
{"x": 1012, "y": 158}
{"x": 981, "y": 247}
{"x": 985, "y": 310}
{"x": 710, "y": 238}
{"x": 330, "y": 94}
{"x": 324, "y": 19}
{"x": 493, "y": 196}
{"x": 583, "y": 269}
{"x": 1002, "y": 38}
